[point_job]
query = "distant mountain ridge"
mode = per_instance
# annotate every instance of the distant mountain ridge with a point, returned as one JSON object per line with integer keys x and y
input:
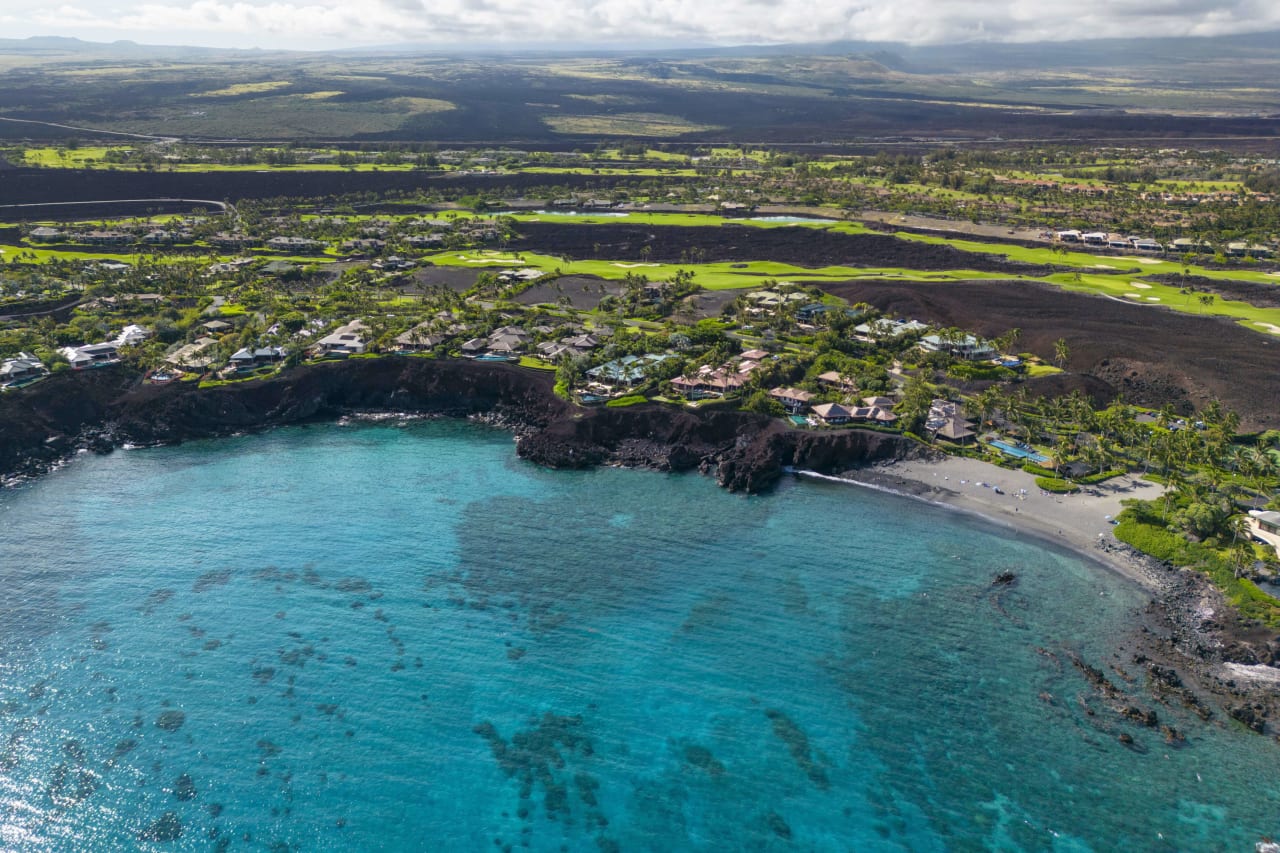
{"x": 898, "y": 56}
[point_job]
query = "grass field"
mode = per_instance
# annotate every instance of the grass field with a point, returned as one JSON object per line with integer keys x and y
{"x": 625, "y": 124}
{"x": 1084, "y": 260}
{"x": 683, "y": 219}
{"x": 244, "y": 89}
{"x": 283, "y": 115}
{"x": 1154, "y": 294}
{"x": 641, "y": 171}
{"x": 70, "y": 158}
{"x": 94, "y": 158}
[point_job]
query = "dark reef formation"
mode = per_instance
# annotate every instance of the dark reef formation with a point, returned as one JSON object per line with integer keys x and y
{"x": 103, "y": 409}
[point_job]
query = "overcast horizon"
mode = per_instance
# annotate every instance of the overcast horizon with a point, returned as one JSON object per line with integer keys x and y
{"x": 548, "y": 24}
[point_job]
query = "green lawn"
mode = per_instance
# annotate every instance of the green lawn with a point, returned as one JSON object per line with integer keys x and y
{"x": 682, "y": 219}
{"x": 1122, "y": 287}
{"x": 1085, "y": 260}
{"x": 716, "y": 276}
{"x": 642, "y": 171}
{"x": 71, "y": 158}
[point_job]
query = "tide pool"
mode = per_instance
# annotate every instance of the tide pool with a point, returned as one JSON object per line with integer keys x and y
{"x": 400, "y": 637}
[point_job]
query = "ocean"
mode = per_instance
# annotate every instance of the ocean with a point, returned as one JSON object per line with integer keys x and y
{"x": 398, "y": 636}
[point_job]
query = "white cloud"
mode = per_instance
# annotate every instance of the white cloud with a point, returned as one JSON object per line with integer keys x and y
{"x": 330, "y": 23}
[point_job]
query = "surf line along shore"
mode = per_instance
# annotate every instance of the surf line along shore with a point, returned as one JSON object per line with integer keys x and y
{"x": 1186, "y": 624}
{"x": 1079, "y": 521}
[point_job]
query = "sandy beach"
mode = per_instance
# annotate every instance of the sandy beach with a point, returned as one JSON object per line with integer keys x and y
{"x": 1076, "y": 521}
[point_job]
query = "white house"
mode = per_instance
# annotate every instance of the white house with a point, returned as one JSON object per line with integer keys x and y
{"x": 345, "y": 340}
{"x": 92, "y": 355}
{"x": 132, "y": 335}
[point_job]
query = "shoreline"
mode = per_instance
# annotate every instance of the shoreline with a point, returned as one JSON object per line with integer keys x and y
{"x": 1187, "y": 639}
{"x": 1183, "y": 637}
{"x": 1079, "y": 523}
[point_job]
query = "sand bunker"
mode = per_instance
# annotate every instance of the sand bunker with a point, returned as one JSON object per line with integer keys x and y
{"x": 1147, "y": 260}
{"x": 1139, "y": 285}
{"x": 1268, "y": 327}
{"x": 1153, "y": 298}
{"x": 633, "y": 266}
{"x": 1104, "y": 267}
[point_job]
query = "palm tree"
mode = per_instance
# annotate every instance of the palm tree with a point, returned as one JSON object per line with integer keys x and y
{"x": 1061, "y": 352}
{"x": 1006, "y": 342}
{"x": 1061, "y": 450}
{"x": 1082, "y": 410}
{"x": 987, "y": 403}
{"x": 1241, "y": 549}
{"x": 1175, "y": 484}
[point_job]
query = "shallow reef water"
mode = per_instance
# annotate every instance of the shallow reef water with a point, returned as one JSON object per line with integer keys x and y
{"x": 391, "y": 638}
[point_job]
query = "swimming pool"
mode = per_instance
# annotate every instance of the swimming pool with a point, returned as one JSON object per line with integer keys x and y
{"x": 1019, "y": 452}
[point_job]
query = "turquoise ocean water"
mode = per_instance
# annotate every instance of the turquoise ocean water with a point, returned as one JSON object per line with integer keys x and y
{"x": 403, "y": 638}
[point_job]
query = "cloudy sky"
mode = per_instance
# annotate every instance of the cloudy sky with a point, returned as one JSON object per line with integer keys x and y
{"x": 321, "y": 24}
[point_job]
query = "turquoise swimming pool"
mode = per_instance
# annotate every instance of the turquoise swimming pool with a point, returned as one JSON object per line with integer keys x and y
{"x": 1019, "y": 452}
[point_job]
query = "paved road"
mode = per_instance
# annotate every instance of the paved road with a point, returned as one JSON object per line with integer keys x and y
{"x": 221, "y": 205}
{"x": 93, "y": 130}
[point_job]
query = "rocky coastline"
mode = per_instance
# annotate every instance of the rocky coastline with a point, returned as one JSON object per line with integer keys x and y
{"x": 1188, "y": 645}
{"x": 103, "y": 409}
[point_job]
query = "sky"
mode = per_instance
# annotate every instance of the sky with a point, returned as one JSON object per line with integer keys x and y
{"x": 328, "y": 24}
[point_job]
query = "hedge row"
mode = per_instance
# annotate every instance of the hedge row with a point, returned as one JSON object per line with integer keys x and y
{"x": 629, "y": 400}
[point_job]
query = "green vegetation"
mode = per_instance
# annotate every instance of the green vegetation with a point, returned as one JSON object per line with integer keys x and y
{"x": 1141, "y": 528}
{"x": 1057, "y": 486}
{"x": 630, "y": 400}
{"x": 652, "y": 125}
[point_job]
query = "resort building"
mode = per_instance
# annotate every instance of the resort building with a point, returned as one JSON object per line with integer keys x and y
{"x": 505, "y": 344}
{"x": 344, "y": 341}
{"x": 45, "y": 234}
{"x": 91, "y": 355}
{"x": 627, "y": 371}
{"x": 197, "y": 355}
{"x": 418, "y": 339}
{"x": 884, "y": 328}
{"x": 708, "y": 382}
{"x": 832, "y": 413}
{"x": 294, "y": 244}
{"x": 105, "y": 238}
{"x": 792, "y": 399}
{"x": 945, "y": 421}
{"x": 224, "y": 240}
{"x": 1269, "y": 522}
{"x": 873, "y": 414}
{"x": 837, "y": 381}
{"x": 21, "y": 369}
{"x": 132, "y": 335}
{"x": 964, "y": 346}
{"x": 248, "y": 359}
